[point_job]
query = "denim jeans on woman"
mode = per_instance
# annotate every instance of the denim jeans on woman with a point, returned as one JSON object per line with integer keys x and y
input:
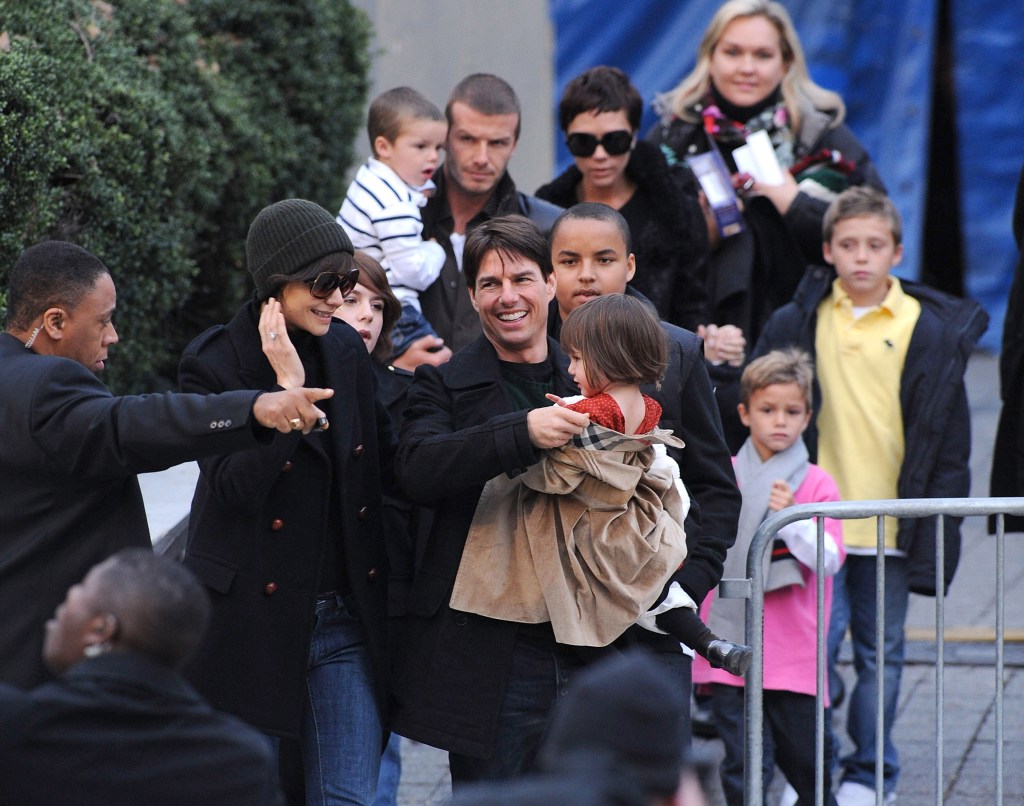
{"x": 342, "y": 733}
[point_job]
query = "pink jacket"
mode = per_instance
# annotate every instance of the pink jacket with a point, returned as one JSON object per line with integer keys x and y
{"x": 790, "y": 620}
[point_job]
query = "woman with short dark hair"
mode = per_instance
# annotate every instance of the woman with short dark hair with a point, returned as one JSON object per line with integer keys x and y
{"x": 600, "y": 114}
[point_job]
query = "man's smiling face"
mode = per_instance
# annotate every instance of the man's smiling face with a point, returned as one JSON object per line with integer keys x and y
{"x": 511, "y": 295}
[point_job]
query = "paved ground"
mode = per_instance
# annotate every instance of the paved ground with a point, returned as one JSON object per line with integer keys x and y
{"x": 969, "y": 720}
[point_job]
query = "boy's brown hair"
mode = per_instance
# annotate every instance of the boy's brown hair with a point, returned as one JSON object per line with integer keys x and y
{"x": 618, "y": 336}
{"x": 779, "y": 366}
{"x": 392, "y": 110}
{"x": 857, "y": 201}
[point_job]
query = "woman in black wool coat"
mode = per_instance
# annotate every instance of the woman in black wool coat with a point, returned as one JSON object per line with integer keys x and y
{"x": 289, "y": 539}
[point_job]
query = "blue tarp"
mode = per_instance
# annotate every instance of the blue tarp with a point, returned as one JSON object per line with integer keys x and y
{"x": 879, "y": 55}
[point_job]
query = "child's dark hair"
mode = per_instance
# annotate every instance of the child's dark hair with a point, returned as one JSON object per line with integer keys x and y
{"x": 790, "y": 365}
{"x": 594, "y": 211}
{"x": 392, "y": 110}
{"x": 600, "y": 89}
{"x": 373, "y": 276}
{"x": 619, "y": 337}
{"x": 857, "y": 201}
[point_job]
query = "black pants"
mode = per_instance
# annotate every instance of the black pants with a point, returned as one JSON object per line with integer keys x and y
{"x": 536, "y": 681}
{"x": 788, "y": 742}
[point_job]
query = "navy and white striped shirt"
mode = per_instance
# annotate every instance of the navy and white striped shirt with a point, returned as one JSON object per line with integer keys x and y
{"x": 381, "y": 214}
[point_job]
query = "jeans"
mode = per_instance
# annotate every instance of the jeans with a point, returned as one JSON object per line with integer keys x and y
{"x": 411, "y": 325}
{"x": 787, "y": 740}
{"x": 679, "y": 667}
{"x": 839, "y": 620}
{"x": 861, "y": 723}
{"x": 341, "y": 726}
{"x": 537, "y": 678}
{"x": 390, "y": 773}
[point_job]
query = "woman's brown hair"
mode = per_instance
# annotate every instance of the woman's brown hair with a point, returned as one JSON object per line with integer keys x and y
{"x": 373, "y": 276}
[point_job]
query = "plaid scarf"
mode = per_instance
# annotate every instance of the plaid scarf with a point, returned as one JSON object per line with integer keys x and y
{"x": 823, "y": 174}
{"x": 730, "y": 134}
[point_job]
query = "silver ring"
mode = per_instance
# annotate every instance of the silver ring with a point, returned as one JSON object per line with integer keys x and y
{"x": 748, "y": 184}
{"x": 272, "y": 335}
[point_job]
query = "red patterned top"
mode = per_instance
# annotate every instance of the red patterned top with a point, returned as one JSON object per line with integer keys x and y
{"x": 603, "y": 410}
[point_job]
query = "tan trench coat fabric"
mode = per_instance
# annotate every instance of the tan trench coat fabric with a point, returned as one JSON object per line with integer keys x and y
{"x": 586, "y": 539}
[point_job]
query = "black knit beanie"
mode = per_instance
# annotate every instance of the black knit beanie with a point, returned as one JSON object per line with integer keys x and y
{"x": 286, "y": 237}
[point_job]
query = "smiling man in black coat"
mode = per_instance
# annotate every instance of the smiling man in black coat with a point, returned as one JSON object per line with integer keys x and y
{"x": 480, "y": 687}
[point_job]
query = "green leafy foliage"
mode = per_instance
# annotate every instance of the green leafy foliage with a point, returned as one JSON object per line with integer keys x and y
{"x": 151, "y": 132}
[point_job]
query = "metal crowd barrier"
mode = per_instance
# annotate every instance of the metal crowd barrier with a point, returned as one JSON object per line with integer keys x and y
{"x": 752, "y": 589}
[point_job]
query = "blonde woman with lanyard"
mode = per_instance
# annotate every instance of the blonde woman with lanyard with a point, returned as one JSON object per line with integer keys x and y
{"x": 751, "y": 76}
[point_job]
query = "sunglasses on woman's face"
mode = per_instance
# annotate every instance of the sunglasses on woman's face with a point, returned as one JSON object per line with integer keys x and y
{"x": 323, "y": 285}
{"x": 582, "y": 144}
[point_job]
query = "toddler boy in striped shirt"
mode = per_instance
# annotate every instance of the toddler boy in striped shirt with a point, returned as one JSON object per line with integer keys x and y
{"x": 381, "y": 211}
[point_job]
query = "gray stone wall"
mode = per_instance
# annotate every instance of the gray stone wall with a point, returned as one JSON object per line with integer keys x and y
{"x": 431, "y": 44}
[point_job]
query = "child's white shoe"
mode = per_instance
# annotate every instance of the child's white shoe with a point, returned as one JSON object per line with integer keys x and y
{"x": 788, "y": 796}
{"x": 853, "y": 794}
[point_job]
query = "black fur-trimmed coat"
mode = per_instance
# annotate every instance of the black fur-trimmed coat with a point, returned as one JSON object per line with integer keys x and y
{"x": 671, "y": 248}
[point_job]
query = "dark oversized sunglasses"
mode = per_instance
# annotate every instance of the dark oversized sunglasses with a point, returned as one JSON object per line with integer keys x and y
{"x": 582, "y": 144}
{"x": 323, "y": 285}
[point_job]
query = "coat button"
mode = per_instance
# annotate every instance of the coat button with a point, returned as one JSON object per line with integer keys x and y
{"x": 461, "y": 619}
{"x": 358, "y": 450}
{"x": 287, "y": 467}
{"x": 277, "y": 524}
{"x": 362, "y": 513}
{"x": 371, "y": 574}
{"x": 213, "y": 424}
{"x": 270, "y": 588}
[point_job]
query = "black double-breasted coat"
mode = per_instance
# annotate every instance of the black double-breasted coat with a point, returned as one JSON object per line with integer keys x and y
{"x": 261, "y": 527}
